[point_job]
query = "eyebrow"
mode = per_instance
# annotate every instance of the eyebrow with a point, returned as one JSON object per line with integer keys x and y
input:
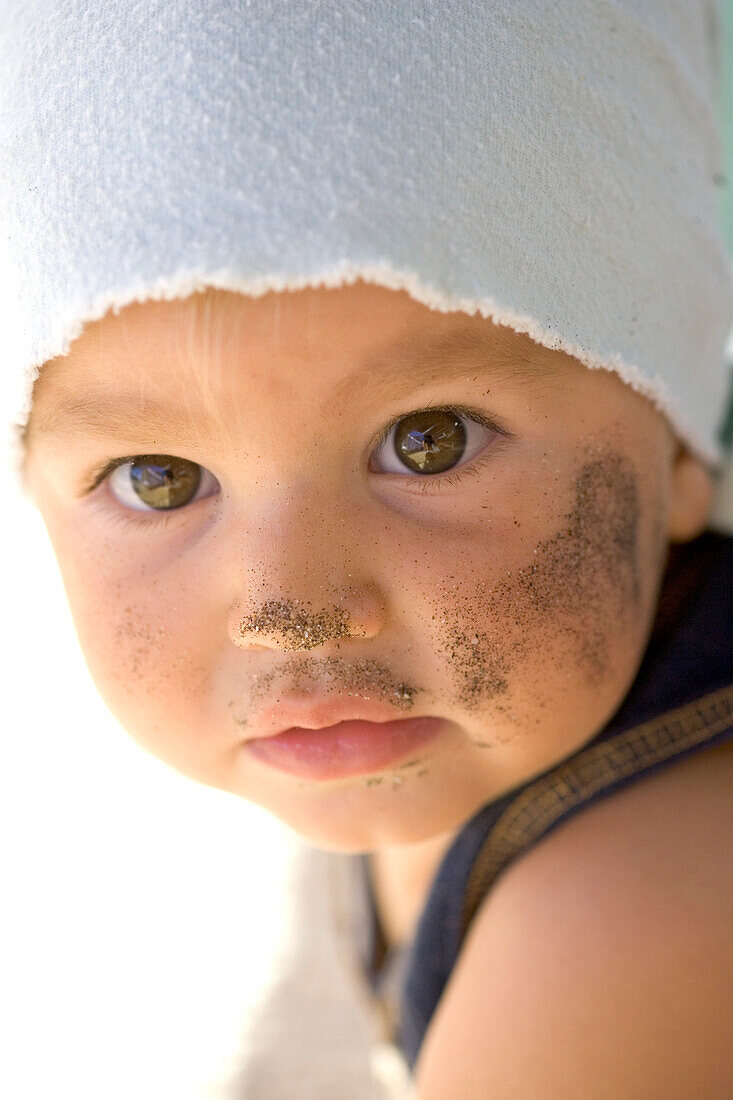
{"x": 429, "y": 359}
{"x": 386, "y": 374}
{"x": 110, "y": 415}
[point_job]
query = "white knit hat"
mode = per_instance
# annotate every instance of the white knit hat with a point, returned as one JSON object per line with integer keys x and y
{"x": 551, "y": 164}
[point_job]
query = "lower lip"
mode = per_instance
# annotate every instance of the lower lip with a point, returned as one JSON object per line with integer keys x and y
{"x": 347, "y": 749}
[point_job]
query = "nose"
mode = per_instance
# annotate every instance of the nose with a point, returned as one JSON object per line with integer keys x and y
{"x": 290, "y": 623}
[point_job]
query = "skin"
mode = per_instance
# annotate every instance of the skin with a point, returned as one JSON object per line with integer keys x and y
{"x": 515, "y": 603}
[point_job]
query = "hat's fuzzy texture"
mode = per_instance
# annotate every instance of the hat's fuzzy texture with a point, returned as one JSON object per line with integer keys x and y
{"x": 551, "y": 164}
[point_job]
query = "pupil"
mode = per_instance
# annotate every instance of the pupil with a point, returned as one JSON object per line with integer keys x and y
{"x": 163, "y": 482}
{"x": 430, "y": 442}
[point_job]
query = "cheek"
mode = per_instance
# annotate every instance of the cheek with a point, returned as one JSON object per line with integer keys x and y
{"x": 144, "y": 632}
{"x": 560, "y": 597}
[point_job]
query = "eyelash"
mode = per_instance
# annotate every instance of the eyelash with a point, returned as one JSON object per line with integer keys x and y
{"x": 430, "y": 483}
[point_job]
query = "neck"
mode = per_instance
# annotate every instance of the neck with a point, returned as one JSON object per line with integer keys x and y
{"x": 401, "y": 879}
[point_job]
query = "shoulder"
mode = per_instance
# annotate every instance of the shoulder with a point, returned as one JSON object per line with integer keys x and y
{"x": 601, "y": 964}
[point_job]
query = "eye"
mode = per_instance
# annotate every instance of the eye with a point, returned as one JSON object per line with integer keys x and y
{"x": 431, "y": 441}
{"x": 159, "y": 482}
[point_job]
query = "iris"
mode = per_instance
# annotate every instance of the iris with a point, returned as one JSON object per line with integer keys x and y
{"x": 430, "y": 442}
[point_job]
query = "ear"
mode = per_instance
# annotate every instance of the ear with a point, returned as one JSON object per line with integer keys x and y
{"x": 691, "y": 496}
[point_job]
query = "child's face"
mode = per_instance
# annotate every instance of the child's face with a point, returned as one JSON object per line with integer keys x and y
{"x": 510, "y": 596}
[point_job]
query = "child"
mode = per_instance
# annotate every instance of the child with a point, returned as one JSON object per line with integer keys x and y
{"x": 382, "y": 360}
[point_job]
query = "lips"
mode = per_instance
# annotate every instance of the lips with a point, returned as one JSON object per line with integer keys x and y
{"x": 341, "y": 738}
{"x": 309, "y": 713}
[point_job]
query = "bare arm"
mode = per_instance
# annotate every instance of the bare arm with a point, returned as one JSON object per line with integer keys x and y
{"x": 602, "y": 964}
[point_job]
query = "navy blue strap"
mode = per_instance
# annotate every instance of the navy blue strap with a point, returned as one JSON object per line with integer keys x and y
{"x": 590, "y": 775}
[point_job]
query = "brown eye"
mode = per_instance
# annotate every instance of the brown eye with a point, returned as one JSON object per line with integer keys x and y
{"x": 157, "y": 482}
{"x": 430, "y": 442}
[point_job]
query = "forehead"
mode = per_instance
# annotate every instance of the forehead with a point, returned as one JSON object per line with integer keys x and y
{"x": 226, "y": 338}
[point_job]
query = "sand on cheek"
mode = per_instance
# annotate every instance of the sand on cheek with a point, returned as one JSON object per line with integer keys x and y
{"x": 579, "y": 587}
{"x": 149, "y": 666}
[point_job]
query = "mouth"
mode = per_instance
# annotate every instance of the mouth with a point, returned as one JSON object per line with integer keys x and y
{"x": 338, "y": 738}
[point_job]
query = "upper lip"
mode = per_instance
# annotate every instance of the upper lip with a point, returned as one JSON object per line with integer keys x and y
{"x": 314, "y": 713}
